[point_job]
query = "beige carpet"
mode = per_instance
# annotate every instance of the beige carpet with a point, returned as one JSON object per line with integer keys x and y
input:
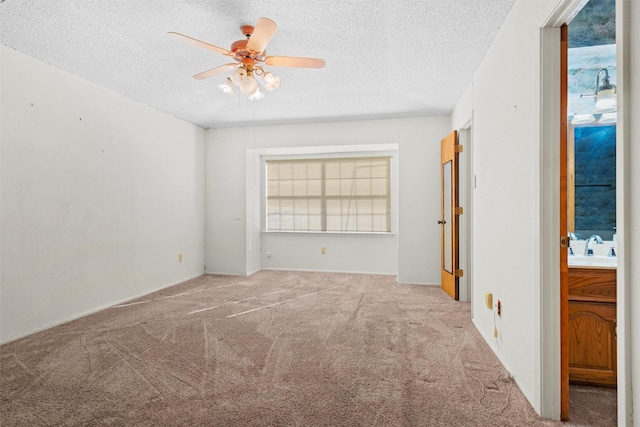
{"x": 276, "y": 348}
{"x": 593, "y": 406}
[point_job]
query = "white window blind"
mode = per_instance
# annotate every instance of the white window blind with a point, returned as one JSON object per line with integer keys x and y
{"x": 333, "y": 194}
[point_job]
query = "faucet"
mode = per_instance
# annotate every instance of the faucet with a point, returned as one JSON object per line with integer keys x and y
{"x": 572, "y": 237}
{"x": 589, "y": 251}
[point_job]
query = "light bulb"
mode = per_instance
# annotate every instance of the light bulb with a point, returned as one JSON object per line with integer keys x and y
{"x": 256, "y": 95}
{"x": 237, "y": 76}
{"x": 227, "y": 86}
{"x": 248, "y": 85}
{"x": 271, "y": 82}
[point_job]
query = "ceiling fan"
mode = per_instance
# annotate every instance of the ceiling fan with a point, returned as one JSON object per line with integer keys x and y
{"x": 247, "y": 53}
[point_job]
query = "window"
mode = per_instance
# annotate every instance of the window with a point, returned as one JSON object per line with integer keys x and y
{"x": 333, "y": 195}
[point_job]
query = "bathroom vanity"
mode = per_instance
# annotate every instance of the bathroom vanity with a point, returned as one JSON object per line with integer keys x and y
{"x": 592, "y": 321}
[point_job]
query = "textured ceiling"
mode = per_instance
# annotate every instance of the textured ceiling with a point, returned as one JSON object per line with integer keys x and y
{"x": 384, "y": 58}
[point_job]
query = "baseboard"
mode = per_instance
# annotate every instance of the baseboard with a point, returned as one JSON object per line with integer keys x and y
{"x": 419, "y": 284}
{"x": 304, "y": 270}
{"x": 223, "y": 273}
{"x": 494, "y": 349}
{"x": 96, "y": 310}
{"x": 251, "y": 273}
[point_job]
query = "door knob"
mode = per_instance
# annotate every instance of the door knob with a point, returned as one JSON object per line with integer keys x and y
{"x": 442, "y": 221}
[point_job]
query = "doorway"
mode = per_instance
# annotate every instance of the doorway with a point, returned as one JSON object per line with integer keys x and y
{"x": 449, "y": 214}
{"x": 465, "y": 196}
{"x": 457, "y": 213}
{"x": 587, "y": 197}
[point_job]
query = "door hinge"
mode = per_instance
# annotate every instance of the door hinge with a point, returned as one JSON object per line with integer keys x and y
{"x": 565, "y": 241}
{"x": 459, "y": 210}
{"x": 459, "y": 272}
{"x": 459, "y": 148}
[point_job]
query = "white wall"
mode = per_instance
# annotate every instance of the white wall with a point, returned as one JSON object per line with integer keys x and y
{"x": 504, "y": 101}
{"x": 99, "y": 196}
{"x": 226, "y": 201}
{"x": 413, "y": 254}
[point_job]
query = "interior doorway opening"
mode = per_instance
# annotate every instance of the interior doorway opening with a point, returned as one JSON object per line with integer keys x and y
{"x": 466, "y": 178}
{"x": 588, "y": 212}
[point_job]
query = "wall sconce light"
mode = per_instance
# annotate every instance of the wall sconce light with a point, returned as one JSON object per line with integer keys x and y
{"x": 606, "y": 97}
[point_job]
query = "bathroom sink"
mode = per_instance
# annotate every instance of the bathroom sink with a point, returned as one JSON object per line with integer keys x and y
{"x": 592, "y": 261}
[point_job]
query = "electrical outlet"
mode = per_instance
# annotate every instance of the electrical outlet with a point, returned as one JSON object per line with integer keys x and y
{"x": 488, "y": 300}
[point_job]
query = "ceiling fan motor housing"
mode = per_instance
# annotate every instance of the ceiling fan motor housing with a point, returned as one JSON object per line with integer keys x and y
{"x": 239, "y": 47}
{"x": 247, "y": 30}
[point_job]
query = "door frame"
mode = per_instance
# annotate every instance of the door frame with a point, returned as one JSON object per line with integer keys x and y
{"x": 563, "y": 190}
{"x": 465, "y": 186}
{"x": 465, "y": 221}
{"x": 549, "y": 380}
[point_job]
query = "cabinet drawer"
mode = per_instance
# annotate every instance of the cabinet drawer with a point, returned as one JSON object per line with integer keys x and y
{"x": 592, "y": 284}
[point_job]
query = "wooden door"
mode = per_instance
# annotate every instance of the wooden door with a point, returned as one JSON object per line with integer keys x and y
{"x": 449, "y": 212}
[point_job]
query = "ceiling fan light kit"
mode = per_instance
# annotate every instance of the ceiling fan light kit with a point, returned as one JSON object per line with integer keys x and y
{"x": 246, "y": 53}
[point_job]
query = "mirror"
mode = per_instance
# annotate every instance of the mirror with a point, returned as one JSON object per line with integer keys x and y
{"x": 447, "y": 259}
{"x": 592, "y": 181}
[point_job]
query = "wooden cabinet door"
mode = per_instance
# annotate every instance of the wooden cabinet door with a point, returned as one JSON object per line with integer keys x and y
{"x": 592, "y": 343}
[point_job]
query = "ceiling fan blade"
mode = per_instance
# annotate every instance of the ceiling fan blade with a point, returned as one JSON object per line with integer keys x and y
{"x": 215, "y": 71}
{"x": 200, "y": 43}
{"x": 265, "y": 29}
{"x": 294, "y": 61}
